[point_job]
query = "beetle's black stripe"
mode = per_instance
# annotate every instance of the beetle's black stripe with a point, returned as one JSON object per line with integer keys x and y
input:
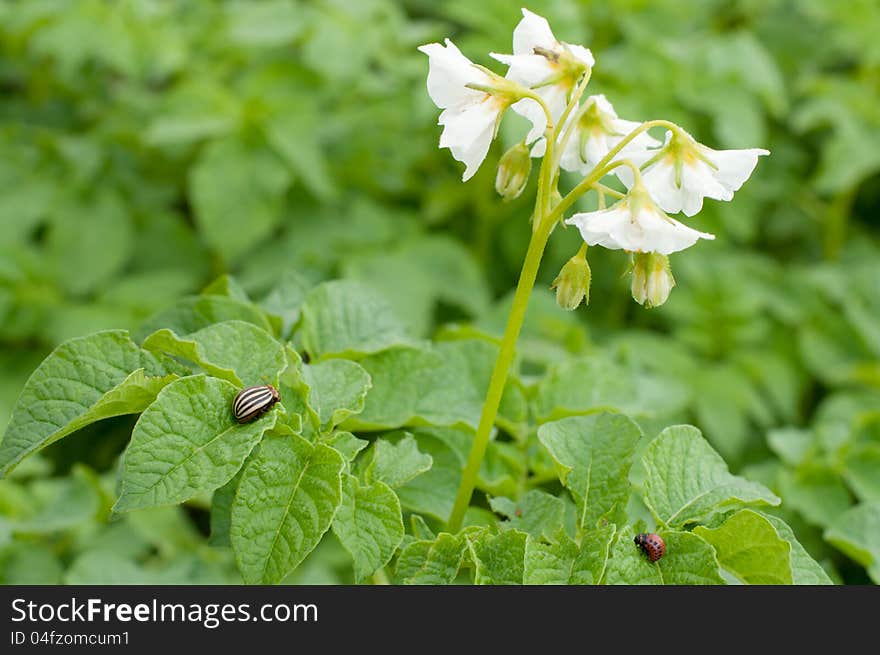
{"x": 252, "y": 401}
{"x": 247, "y": 401}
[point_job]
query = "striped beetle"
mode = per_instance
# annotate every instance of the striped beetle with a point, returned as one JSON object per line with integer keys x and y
{"x": 252, "y": 402}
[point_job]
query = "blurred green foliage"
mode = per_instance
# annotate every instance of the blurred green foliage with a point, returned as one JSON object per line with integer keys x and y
{"x": 148, "y": 147}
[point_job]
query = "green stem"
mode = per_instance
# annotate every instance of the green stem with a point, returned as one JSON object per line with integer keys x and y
{"x": 499, "y": 375}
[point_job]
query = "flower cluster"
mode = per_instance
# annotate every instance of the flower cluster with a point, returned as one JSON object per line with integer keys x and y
{"x": 545, "y": 82}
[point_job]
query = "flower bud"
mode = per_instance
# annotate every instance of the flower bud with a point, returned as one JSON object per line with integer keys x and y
{"x": 573, "y": 282}
{"x": 651, "y": 279}
{"x": 513, "y": 172}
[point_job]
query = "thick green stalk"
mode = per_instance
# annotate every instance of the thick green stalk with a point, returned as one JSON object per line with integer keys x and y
{"x": 499, "y": 375}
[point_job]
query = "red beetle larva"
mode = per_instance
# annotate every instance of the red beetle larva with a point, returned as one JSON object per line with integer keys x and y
{"x": 651, "y": 544}
{"x": 252, "y": 402}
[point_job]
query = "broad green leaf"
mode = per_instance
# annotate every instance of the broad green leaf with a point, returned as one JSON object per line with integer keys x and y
{"x": 103, "y": 568}
{"x": 226, "y": 285}
{"x": 30, "y": 564}
{"x": 82, "y": 381}
{"x": 856, "y": 533}
{"x": 433, "y": 493}
{"x": 285, "y": 300}
{"x": 337, "y": 389}
{"x": 89, "y": 241}
{"x": 596, "y": 383}
{"x": 817, "y": 492}
{"x": 498, "y": 558}
{"x": 347, "y": 319}
{"x": 236, "y": 351}
{"x": 221, "y": 512}
{"x": 536, "y": 513}
{"x": 68, "y": 502}
{"x": 186, "y": 443}
{"x": 564, "y": 562}
{"x": 347, "y": 444}
{"x": 192, "y": 313}
{"x": 862, "y": 472}
{"x": 804, "y": 569}
{"x": 420, "y": 272}
{"x": 433, "y": 562}
{"x": 287, "y": 498}
{"x": 397, "y": 463}
{"x": 688, "y": 482}
{"x": 369, "y": 524}
{"x": 237, "y": 192}
{"x": 748, "y": 546}
{"x": 790, "y": 444}
{"x": 689, "y": 560}
{"x": 441, "y": 384}
{"x": 593, "y": 454}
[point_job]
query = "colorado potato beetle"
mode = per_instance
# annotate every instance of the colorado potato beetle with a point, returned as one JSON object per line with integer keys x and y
{"x": 651, "y": 544}
{"x": 252, "y": 402}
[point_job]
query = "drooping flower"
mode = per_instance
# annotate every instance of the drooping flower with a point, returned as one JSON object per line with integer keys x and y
{"x": 636, "y": 224}
{"x": 549, "y": 67}
{"x": 473, "y": 100}
{"x": 513, "y": 172}
{"x": 573, "y": 282}
{"x": 683, "y": 172}
{"x": 596, "y": 131}
{"x": 651, "y": 279}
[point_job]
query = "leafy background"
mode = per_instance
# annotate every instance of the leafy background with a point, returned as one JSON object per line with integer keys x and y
{"x": 150, "y": 148}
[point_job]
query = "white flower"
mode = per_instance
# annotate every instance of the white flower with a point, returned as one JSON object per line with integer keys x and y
{"x": 473, "y": 100}
{"x": 652, "y": 279}
{"x": 597, "y": 130}
{"x": 635, "y": 224}
{"x": 683, "y": 172}
{"x": 551, "y": 68}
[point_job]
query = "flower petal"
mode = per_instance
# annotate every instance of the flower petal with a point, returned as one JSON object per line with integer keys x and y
{"x": 533, "y": 30}
{"x": 449, "y": 71}
{"x": 648, "y": 231}
{"x": 734, "y": 166}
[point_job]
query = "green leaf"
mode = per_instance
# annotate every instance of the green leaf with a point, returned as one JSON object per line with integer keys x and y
{"x": 440, "y": 384}
{"x": 397, "y": 463}
{"x": 688, "y": 482}
{"x": 347, "y": 319}
{"x": 593, "y": 456}
{"x": 562, "y": 561}
{"x": 186, "y": 443}
{"x": 536, "y": 513}
{"x": 369, "y": 524}
{"x": 420, "y": 272}
{"x": 748, "y": 546}
{"x": 236, "y": 351}
{"x": 689, "y": 560}
{"x": 433, "y": 493}
{"x": 862, "y": 472}
{"x": 498, "y": 558}
{"x": 237, "y": 192}
{"x": 82, "y": 381}
{"x": 221, "y": 512}
{"x": 287, "y": 498}
{"x": 193, "y": 313}
{"x": 596, "y": 383}
{"x": 804, "y": 569}
{"x": 431, "y": 562}
{"x": 347, "y": 444}
{"x": 89, "y": 242}
{"x": 856, "y": 533}
{"x": 285, "y": 300}
{"x": 816, "y": 492}
{"x": 337, "y": 390}
{"x": 69, "y": 502}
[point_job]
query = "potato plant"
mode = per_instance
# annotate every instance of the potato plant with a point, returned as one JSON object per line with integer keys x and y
{"x": 501, "y": 381}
